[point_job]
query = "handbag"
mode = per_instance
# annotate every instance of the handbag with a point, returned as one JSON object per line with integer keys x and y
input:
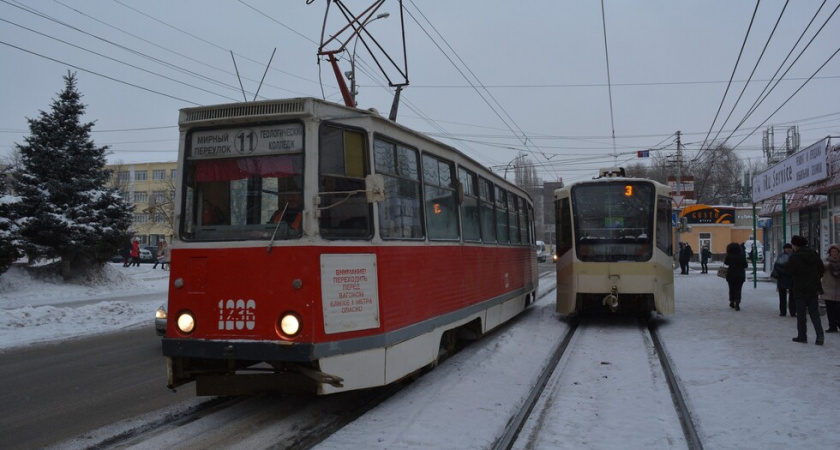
{"x": 774, "y": 274}
{"x": 722, "y": 270}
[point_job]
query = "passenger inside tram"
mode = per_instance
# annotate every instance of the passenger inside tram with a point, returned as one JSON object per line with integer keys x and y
{"x": 291, "y": 212}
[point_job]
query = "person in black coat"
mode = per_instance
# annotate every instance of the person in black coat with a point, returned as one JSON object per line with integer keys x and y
{"x": 736, "y": 274}
{"x": 685, "y": 256}
{"x": 806, "y": 269}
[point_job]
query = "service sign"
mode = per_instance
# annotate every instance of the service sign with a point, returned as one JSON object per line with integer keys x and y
{"x": 349, "y": 292}
{"x": 800, "y": 169}
{"x": 249, "y": 141}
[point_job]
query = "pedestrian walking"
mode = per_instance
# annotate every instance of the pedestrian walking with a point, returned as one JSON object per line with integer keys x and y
{"x": 159, "y": 254}
{"x": 806, "y": 269}
{"x": 125, "y": 253}
{"x": 784, "y": 282}
{"x": 135, "y": 253}
{"x": 162, "y": 255}
{"x": 736, "y": 274}
{"x": 831, "y": 288}
{"x": 705, "y": 256}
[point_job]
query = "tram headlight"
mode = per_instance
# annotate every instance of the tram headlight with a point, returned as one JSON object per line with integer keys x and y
{"x": 289, "y": 325}
{"x": 186, "y": 322}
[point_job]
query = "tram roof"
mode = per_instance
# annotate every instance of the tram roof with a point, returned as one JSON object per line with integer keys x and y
{"x": 563, "y": 191}
{"x": 228, "y": 114}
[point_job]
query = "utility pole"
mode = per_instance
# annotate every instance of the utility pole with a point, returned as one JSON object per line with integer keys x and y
{"x": 679, "y": 182}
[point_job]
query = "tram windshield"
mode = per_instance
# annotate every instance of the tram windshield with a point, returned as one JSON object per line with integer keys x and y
{"x": 255, "y": 197}
{"x": 613, "y": 221}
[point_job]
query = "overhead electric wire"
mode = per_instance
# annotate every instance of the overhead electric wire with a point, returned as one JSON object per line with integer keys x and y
{"x": 164, "y": 48}
{"x": 525, "y": 140}
{"x": 789, "y": 98}
{"x": 98, "y": 74}
{"x": 609, "y": 82}
{"x": 734, "y": 69}
{"x": 217, "y": 46}
{"x": 761, "y": 99}
{"x": 600, "y": 85}
{"x": 755, "y": 67}
{"x": 773, "y": 78}
{"x": 45, "y": 16}
{"x": 133, "y": 66}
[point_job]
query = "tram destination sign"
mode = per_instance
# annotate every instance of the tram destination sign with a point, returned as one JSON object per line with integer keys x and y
{"x": 800, "y": 169}
{"x": 247, "y": 141}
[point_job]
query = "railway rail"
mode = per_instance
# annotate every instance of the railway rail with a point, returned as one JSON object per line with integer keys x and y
{"x": 550, "y": 397}
{"x": 261, "y": 421}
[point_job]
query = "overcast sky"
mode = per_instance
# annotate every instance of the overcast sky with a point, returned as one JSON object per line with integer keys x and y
{"x": 492, "y": 78}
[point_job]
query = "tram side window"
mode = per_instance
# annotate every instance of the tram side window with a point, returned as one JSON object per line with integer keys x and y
{"x": 513, "y": 218}
{"x": 663, "y": 225}
{"x": 529, "y": 219}
{"x": 400, "y": 215}
{"x": 524, "y": 229}
{"x": 439, "y": 195}
{"x": 470, "y": 218}
{"x": 342, "y": 167}
{"x": 563, "y": 226}
{"x": 502, "y": 232}
{"x": 488, "y": 215}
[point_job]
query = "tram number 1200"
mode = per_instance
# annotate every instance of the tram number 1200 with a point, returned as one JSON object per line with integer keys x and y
{"x": 239, "y": 314}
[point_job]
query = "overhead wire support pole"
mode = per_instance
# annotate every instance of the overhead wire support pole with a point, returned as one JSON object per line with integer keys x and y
{"x": 679, "y": 182}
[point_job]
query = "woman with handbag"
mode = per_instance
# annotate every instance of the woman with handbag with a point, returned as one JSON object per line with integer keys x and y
{"x": 831, "y": 288}
{"x": 784, "y": 282}
{"x": 736, "y": 274}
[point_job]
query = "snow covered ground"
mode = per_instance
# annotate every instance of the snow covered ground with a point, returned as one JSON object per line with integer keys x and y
{"x": 40, "y": 310}
{"x": 747, "y": 383}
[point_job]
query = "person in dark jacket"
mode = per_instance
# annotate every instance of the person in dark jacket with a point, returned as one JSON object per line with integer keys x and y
{"x": 705, "y": 255}
{"x": 685, "y": 257}
{"x": 736, "y": 274}
{"x": 125, "y": 253}
{"x": 806, "y": 269}
{"x": 784, "y": 283}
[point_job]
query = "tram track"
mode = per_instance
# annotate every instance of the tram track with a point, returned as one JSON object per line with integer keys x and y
{"x": 551, "y": 397}
{"x": 256, "y": 422}
{"x": 261, "y": 421}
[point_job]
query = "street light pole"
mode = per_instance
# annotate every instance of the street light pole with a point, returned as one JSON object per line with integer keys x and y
{"x": 352, "y": 73}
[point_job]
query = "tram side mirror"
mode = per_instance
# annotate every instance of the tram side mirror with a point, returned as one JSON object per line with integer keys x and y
{"x": 375, "y": 188}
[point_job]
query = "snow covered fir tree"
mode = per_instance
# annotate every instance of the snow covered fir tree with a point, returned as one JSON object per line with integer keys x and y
{"x": 9, "y": 231}
{"x": 66, "y": 210}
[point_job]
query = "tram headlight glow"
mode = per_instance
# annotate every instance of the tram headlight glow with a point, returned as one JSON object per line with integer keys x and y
{"x": 289, "y": 324}
{"x": 186, "y": 322}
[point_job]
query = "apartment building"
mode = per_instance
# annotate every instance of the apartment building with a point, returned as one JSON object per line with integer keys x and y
{"x": 151, "y": 188}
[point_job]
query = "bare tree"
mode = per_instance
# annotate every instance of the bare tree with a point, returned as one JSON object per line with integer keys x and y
{"x": 717, "y": 172}
{"x": 164, "y": 205}
{"x": 717, "y": 175}
{"x": 524, "y": 173}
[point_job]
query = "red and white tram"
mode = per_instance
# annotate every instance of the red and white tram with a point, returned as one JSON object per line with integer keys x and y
{"x": 324, "y": 248}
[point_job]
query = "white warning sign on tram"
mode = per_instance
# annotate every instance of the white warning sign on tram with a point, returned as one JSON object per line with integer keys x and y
{"x": 349, "y": 292}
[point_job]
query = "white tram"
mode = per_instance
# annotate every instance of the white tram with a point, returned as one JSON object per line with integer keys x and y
{"x": 614, "y": 246}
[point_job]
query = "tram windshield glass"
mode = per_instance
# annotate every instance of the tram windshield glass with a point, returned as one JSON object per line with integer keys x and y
{"x": 613, "y": 221}
{"x": 231, "y": 196}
